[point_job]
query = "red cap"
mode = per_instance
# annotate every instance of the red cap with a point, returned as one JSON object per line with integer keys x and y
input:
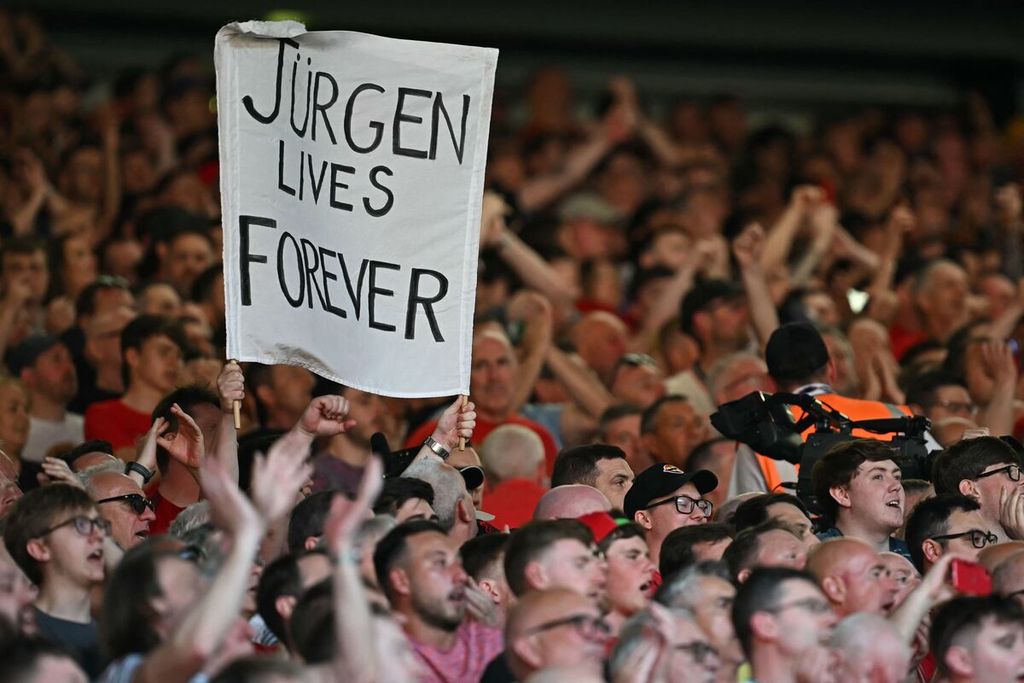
{"x": 600, "y": 524}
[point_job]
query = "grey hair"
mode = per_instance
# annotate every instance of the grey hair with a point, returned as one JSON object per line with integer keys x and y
{"x": 374, "y": 529}
{"x": 449, "y": 487}
{"x": 633, "y": 634}
{"x": 859, "y": 634}
{"x": 680, "y": 590}
{"x": 195, "y": 515}
{"x": 86, "y": 475}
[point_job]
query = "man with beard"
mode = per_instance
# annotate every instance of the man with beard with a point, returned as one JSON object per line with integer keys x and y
{"x": 44, "y": 364}
{"x": 418, "y": 568}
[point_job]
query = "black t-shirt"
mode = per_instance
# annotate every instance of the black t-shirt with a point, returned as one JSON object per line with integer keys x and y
{"x": 498, "y": 672}
{"x": 81, "y": 640}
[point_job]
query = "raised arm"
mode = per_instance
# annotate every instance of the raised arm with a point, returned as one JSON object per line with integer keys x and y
{"x": 230, "y": 388}
{"x": 780, "y": 238}
{"x": 535, "y": 311}
{"x": 455, "y": 425}
{"x": 356, "y": 658}
{"x": 581, "y": 160}
{"x": 748, "y": 249}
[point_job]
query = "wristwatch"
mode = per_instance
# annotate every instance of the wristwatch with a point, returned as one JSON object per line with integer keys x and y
{"x": 146, "y": 473}
{"x": 439, "y": 450}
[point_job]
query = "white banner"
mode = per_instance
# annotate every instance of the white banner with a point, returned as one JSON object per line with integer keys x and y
{"x": 351, "y": 180}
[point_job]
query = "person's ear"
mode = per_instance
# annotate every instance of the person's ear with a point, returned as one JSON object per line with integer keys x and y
{"x": 643, "y": 518}
{"x": 701, "y": 322}
{"x": 131, "y": 357}
{"x": 490, "y": 586}
{"x": 535, "y": 576}
{"x": 841, "y": 494}
{"x": 969, "y": 488}
{"x": 932, "y": 550}
{"x": 400, "y": 582}
{"x": 38, "y": 550}
{"x": 959, "y": 661}
{"x": 526, "y": 650}
{"x": 834, "y": 589}
{"x": 462, "y": 512}
{"x": 742, "y": 576}
{"x": 311, "y": 542}
{"x": 764, "y": 626}
{"x": 285, "y": 605}
{"x": 265, "y": 394}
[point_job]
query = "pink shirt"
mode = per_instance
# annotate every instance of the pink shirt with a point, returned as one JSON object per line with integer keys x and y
{"x": 475, "y": 646}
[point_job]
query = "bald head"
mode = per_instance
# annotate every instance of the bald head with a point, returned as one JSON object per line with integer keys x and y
{"x": 994, "y": 555}
{"x": 600, "y": 338}
{"x": 1008, "y": 577}
{"x": 122, "y": 502}
{"x": 512, "y": 452}
{"x": 852, "y": 576}
{"x": 571, "y": 501}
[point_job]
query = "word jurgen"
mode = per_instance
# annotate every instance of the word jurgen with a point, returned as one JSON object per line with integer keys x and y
{"x": 407, "y": 113}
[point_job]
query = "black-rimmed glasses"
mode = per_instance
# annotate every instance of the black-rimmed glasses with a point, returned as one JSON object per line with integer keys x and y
{"x": 686, "y": 504}
{"x": 979, "y": 538}
{"x": 588, "y": 626}
{"x": 1012, "y": 471}
{"x": 85, "y": 526}
{"x": 136, "y": 501}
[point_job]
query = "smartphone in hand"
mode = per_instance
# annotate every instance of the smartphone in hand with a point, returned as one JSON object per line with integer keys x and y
{"x": 970, "y": 578}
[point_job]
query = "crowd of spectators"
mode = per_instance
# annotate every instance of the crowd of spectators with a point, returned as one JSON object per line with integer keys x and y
{"x": 577, "y": 518}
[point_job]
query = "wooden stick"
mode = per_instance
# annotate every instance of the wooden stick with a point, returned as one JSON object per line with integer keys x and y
{"x": 463, "y": 399}
{"x": 236, "y": 406}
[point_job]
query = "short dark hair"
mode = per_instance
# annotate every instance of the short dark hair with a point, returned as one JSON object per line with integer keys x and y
{"x": 613, "y": 413}
{"x": 398, "y": 490}
{"x": 839, "y": 465}
{"x": 480, "y": 553}
{"x": 85, "y": 303}
{"x": 392, "y": 548}
{"x": 311, "y": 629}
{"x": 923, "y": 389}
{"x": 930, "y": 518}
{"x": 742, "y": 552}
{"x": 143, "y": 328}
{"x": 578, "y": 464}
{"x": 34, "y": 513}
{"x": 650, "y": 415}
{"x": 912, "y": 486}
{"x": 84, "y": 448}
{"x": 202, "y": 287}
{"x": 22, "y": 245}
{"x": 967, "y": 459}
{"x": 966, "y": 614}
{"x": 531, "y": 541}
{"x": 126, "y": 625}
{"x": 308, "y": 518}
{"x": 623, "y": 530}
{"x": 754, "y": 511}
{"x": 280, "y": 578}
{"x": 759, "y": 593}
{"x": 20, "y": 655}
{"x": 187, "y": 399}
{"x": 677, "y": 550}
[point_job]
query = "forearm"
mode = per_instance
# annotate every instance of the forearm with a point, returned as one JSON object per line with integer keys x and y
{"x": 527, "y": 374}
{"x": 998, "y": 414}
{"x": 355, "y": 659}
{"x": 1003, "y": 326}
{"x": 226, "y": 448}
{"x": 583, "y": 386}
{"x": 112, "y": 186}
{"x": 763, "y": 315}
{"x": 534, "y": 271}
{"x": 666, "y": 306}
{"x": 660, "y": 143}
{"x": 538, "y": 193}
{"x": 779, "y": 239}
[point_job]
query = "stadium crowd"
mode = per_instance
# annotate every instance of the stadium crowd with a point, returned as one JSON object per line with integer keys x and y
{"x": 577, "y": 518}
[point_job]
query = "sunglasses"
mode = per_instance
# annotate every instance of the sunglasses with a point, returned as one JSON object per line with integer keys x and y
{"x": 85, "y": 526}
{"x": 136, "y": 501}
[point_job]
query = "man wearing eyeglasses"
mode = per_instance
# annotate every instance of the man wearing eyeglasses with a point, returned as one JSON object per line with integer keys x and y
{"x": 986, "y": 469}
{"x": 949, "y": 523}
{"x": 55, "y": 534}
{"x": 783, "y": 622}
{"x": 122, "y": 503}
{"x": 664, "y": 498}
{"x": 555, "y": 627}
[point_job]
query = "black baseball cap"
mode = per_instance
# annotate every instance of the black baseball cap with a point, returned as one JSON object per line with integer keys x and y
{"x": 703, "y": 294}
{"x": 795, "y": 351}
{"x": 660, "y": 480}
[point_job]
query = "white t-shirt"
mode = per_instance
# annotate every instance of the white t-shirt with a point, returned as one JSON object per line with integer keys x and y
{"x": 45, "y": 434}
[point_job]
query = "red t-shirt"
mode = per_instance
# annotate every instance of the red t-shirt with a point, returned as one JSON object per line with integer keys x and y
{"x": 166, "y": 512}
{"x": 485, "y": 427}
{"x": 115, "y": 422}
{"x": 513, "y": 502}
